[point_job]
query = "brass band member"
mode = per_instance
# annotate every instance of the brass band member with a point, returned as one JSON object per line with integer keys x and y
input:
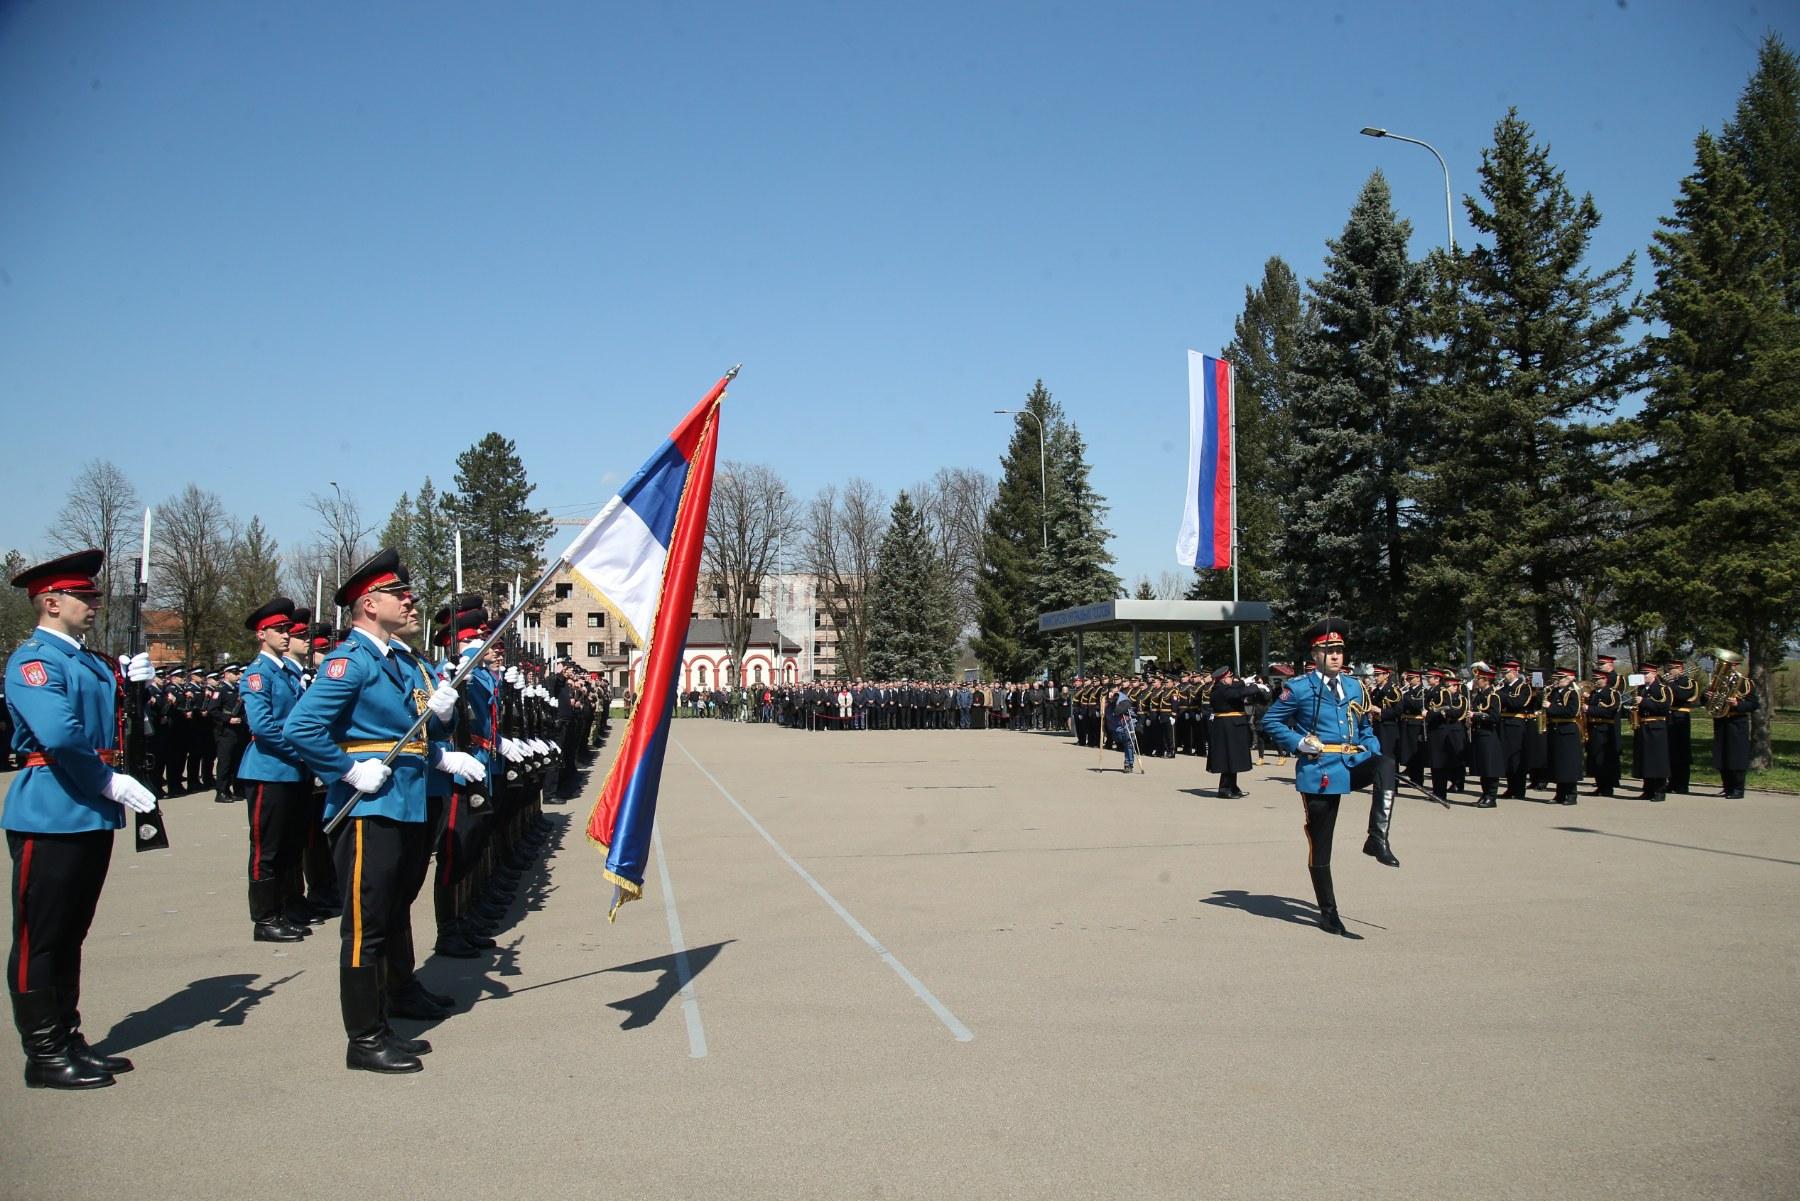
{"x": 1650, "y": 745}
{"x": 1413, "y": 750}
{"x": 1731, "y": 701}
{"x": 1446, "y": 735}
{"x": 1681, "y": 724}
{"x": 1603, "y": 706}
{"x": 1562, "y": 706}
{"x": 1517, "y": 711}
{"x": 1228, "y": 751}
{"x": 1487, "y": 753}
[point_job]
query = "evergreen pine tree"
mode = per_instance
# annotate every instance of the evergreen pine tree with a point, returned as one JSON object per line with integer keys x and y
{"x": 1077, "y": 569}
{"x": 254, "y": 577}
{"x": 17, "y": 617}
{"x": 1718, "y": 483}
{"x": 1345, "y": 544}
{"x": 1007, "y": 642}
{"x": 1764, "y": 139}
{"x": 503, "y": 536}
{"x": 912, "y": 624}
{"x": 1535, "y": 363}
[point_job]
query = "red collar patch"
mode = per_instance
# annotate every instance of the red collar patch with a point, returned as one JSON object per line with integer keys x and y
{"x": 336, "y": 668}
{"x": 35, "y": 674}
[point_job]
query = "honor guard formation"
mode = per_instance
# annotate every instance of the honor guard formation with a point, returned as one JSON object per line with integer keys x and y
{"x": 366, "y": 773}
{"x": 348, "y": 812}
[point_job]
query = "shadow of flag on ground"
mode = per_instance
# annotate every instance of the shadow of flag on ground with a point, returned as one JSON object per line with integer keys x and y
{"x": 646, "y": 1007}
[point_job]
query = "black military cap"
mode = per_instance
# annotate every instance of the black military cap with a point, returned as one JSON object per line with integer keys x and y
{"x": 323, "y": 636}
{"x": 278, "y": 612}
{"x": 71, "y": 573}
{"x": 379, "y": 570}
{"x": 299, "y": 620}
{"x": 1220, "y": 673}
{"x": 468, "y": 623}
{"x": 1332, "y": 631}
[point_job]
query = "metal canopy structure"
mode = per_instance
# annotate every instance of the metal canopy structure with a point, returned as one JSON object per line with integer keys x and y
{"x": 1156, "y": 617}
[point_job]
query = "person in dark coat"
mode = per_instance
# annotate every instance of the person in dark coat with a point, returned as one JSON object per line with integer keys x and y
{"x": 1562, "y": 706}
{"x": 1487, "y": 754}
{"x": 1681, "y": 722}
{"x": 1228, "y": 751}
{"x": 1650, "y": 744}
{"x": 1731, "y": 732}
{"x": 1446, "y": 735}
{"x": 1603, "y": 705}
{"x": 1412, "y": 751}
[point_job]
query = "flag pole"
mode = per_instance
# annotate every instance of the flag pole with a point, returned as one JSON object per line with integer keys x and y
{"x": 462, "y": 672}
{"x": 1237, "y": 643}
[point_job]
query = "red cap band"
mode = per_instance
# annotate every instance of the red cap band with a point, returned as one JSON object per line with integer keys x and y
{"x": 64, "y": 583}
{"x": 372, "y": 583}
{"x": 273, "y": 620}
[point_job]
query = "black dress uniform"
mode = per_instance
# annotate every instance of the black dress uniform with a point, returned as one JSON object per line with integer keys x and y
{"x": 1446, "y": 734}
{"x": 1228, "y": 748}
{"x": 1517, "y": 711}
{"x": 1650, "y": 744}
{"x": 1731, "y": 733}
{"x": 1412, "y": 750}
{"x": 1603, "y": 706}
{"x": 1681, "y": 724}
{"x": 230, "y": 735}
{"x": 1487, "y": 753}
{"x": 1562, "y": 708}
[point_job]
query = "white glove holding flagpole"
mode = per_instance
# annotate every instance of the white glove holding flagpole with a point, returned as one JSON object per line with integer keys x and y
{"x": 136, "y": 668}
{"x": 368, "y": 775}
{"x": 443, "y": 702}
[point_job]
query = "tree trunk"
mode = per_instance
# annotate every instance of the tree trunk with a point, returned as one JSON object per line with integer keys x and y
{"x": 1763, "y": 650}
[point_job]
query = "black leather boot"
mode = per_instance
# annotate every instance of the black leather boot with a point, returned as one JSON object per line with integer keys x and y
{"x": 1381, "y": 819}
{"x": 408, "y": 999}
{"x": 68, "y": 993}
{"x": 48, "y": 1064}
{"x": 369, "y": 1050}
{"x": 267, "y": 923}
{"x": 1329, "y": 921}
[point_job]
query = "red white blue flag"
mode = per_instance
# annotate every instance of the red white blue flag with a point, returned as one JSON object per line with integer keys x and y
{"x": 1206, "y": 521}
{"x": 641, "y": 557}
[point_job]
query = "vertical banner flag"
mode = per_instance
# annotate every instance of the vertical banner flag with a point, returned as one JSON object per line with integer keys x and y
{"x": 1207, "y": 519}
{"x": 640, "y": 556}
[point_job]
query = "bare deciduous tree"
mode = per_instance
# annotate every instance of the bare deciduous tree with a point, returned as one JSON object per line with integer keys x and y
{"x": 343, "y": 530}
{"x": 751, "y": 515}
{"x": 954, "y": 504}
{"x": 192, "y": 557}
{"x": 310, "y": 572}
{"x": 840, "y": 537}
{"x": 103, "y": 511}
{"x": 1171, "y": 585}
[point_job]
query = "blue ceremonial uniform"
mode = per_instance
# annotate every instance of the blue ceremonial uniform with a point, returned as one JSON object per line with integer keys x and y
{"x": 64, "y": 703}
{"x": 361, "y": 702}
{"x": 270, "y": 689}
{"x": 1308, "y": 706}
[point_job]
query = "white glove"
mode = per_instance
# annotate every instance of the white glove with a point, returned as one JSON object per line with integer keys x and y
{"x": 539, "y": 746}
{"x": 136, "y": 668}
{"x": 511, "y": 750}
{"x": 554, "y": 703}
{"x": 513, "y": 677}
{"x": 1310, "y": 745}
{"x": 463, "y": 766}
{"x": 129, "y": 793}
{"x": 442, "y": 702}
{"x": 368, "y": 775}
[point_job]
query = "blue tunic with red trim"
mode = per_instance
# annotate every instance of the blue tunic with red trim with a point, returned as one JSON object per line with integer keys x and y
{"x": 364, "y": 696}
{"x": 1307, "y": 706}
{"x": 65, "y": 704}
{"x": 270, "y": 689}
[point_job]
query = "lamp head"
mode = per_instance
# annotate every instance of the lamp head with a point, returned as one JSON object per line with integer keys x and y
{"x": 1372, "y": 132}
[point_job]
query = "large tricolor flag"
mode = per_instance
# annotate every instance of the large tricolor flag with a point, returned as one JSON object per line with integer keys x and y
{"x": 1206, "y": 520}
{"x": 641, "y": 557}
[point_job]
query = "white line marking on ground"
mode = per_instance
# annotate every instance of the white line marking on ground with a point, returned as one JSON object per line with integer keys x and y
{"x": 690, "y": 1000}
{"x": 963, "y": 1033}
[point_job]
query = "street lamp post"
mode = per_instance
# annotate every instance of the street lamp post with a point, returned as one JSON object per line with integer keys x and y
{"x": 1043, "y": 492}
{"x": 1450, "y": 233}
{"x": 1449, "y": 219}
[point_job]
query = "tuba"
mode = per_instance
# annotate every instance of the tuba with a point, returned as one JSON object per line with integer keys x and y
{"x": 1727, "y": 683}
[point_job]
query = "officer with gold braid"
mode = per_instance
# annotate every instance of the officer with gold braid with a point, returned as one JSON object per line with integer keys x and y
{"x": 368, "y": 693}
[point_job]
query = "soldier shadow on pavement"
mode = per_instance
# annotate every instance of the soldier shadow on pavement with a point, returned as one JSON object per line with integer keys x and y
{"x": 218, "y": 1000}
{"x": 645, "y": 1007}
{"x": 1262, "y": 904}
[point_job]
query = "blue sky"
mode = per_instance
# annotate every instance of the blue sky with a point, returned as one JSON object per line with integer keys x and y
{"x": 260, "y": 247}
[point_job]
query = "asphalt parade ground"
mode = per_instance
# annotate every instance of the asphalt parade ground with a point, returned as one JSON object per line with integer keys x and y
{"x": 973, "y": 965}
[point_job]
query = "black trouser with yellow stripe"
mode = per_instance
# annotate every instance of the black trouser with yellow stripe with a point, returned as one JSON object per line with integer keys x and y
{"x": 1321, "y": 821}
{"x": 380, "y": 864}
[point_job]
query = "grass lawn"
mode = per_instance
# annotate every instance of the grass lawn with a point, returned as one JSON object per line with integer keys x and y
{"x": 1783, "y": 776}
